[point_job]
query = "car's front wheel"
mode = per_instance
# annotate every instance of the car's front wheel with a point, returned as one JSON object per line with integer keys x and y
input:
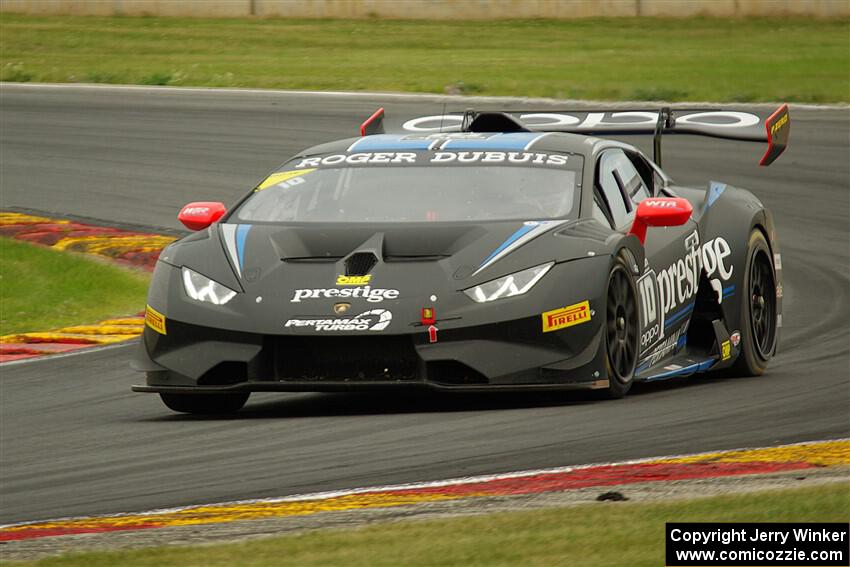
{"x": 205, "y": 403}
{"x": 621, "y": 330}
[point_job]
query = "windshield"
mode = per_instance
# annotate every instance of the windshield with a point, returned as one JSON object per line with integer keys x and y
{"x": 415, "y": 192}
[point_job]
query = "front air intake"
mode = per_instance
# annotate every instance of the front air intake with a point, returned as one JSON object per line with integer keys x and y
{"x": 360, "y": 264}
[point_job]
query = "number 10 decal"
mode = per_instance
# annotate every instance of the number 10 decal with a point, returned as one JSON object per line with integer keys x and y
{"x": 649, "y": 302}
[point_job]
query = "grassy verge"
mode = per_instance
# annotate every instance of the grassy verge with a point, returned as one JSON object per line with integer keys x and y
{"x": 589, "y": 535}
{"x": 800, "y": 60}
{"x": 42, "y": 289}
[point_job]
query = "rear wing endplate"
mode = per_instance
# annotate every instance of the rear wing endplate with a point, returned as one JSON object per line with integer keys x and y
{"x": 374, "y": 124}
{"x": 778, "y": 127}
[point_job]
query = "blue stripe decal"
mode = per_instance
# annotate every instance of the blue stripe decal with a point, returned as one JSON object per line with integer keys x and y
{"x": 685, "y": 370}
{"x": 690, "y": 369}
{"x": 241, "y": 235}
{"x": 389, "y": 142}
{"x": 511, "y": 239}
{"x": 512, "y": 141}
{"x": 714, "y": 192}
{"x": 728, "y": 291}
{"x": 677, "y": 316}
{"x": 528, "y": 232}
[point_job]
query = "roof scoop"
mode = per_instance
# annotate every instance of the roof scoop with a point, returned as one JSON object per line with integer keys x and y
{"x": 360, "y": 263}
{"x": 491, "y": 122}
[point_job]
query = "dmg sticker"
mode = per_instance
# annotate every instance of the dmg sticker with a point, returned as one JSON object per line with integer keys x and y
{"x": 566, "y": 316}
{"x": 155, "y": 320}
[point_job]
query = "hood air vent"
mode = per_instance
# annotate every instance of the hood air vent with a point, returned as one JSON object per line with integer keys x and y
{"x": 360, "y": 264}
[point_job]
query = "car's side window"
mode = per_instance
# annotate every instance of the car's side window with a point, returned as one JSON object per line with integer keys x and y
{"x": 599, "y": 211}
{"x": 653, "y": 182}
{"x": 633, "y": 182}
{"x": 613, "y": 184}
{"x": 658, "y": 183}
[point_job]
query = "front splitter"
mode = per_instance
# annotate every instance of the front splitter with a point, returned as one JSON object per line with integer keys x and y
{"x": 365, "y": 386}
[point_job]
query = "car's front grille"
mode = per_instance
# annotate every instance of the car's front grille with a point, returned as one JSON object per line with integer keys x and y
{"x": 350, "y": 358}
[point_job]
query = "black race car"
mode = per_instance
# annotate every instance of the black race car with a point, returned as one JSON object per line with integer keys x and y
{"x": 483, "y": 250}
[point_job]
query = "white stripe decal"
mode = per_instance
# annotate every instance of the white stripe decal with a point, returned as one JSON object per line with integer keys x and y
{"x": 228, "y": 231}
{"x": 533, "y": 141}
{"x": 357, "y": 141}
{"x": 542, "y": 227}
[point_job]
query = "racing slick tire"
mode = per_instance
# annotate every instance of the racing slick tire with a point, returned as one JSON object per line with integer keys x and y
{"x": 205, "y": 403}
{"x": 621, "y": 329}
{"x": 759, "y": 317}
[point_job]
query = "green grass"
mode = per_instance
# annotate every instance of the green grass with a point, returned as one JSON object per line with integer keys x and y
{"x": 789, "y": 59}
{"x": 610, "y": 534}
{"x": 42, "y": 289}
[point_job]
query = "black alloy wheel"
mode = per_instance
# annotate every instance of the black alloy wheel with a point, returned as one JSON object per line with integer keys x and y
{"x": 621, "y": 330}
{"x": 760, "y": 310}
{"x": 762, "y": 304}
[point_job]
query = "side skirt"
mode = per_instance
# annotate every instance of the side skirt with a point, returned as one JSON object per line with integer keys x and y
{"x": 681, "y": 365}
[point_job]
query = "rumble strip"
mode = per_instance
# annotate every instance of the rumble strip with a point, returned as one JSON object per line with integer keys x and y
{"x": 684, "y": 467}
{"x": 132, "y": 248}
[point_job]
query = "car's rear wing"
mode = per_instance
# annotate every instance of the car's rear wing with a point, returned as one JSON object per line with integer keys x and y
{"x": 772, "y": 128}
{"x": 749, "y": 126}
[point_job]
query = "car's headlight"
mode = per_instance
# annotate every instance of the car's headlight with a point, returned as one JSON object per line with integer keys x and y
{"x": 201, "y": 288}
{"x": 508, "y": 286}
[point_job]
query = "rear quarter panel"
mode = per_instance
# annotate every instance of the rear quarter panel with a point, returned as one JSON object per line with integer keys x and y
{"x": 726, "y": 216}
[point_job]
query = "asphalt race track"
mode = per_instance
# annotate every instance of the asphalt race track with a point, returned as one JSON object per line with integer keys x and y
{"x": 76, "y": 441}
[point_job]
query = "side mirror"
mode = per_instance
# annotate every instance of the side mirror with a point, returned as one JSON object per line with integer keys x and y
{"x": 198, "y": 216}
{"x": 660, "y": 212}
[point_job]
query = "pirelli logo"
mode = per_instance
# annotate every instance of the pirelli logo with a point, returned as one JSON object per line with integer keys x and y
{"x": 566, "y": 316}
{"x": 155, "y": 320}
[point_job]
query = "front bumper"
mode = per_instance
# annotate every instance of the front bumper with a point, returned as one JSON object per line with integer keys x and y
{"x": 510, "y": 355}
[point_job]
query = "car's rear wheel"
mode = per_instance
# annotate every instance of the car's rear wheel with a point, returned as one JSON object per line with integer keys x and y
{"x": 759, "y": 317}
{"x": 205, "y": 403}
{"x": 621, "y": 330}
